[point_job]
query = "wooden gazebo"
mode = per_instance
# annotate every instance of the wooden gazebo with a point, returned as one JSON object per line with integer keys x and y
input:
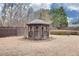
{"x": 38, "y": 29}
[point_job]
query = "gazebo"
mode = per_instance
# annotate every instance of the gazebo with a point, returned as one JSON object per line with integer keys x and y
{"x": 38, "y": 29}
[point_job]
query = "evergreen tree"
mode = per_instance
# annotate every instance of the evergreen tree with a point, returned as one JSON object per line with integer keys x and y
{"x": 59, "y": 18}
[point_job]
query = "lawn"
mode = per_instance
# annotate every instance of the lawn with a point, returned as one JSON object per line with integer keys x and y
{"x": 56, "y": 45}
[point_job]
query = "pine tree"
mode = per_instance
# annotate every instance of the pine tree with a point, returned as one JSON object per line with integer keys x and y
{"x": 59, "y": 18}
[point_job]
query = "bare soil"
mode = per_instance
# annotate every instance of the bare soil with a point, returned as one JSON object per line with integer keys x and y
{"x": 56, "y": 45}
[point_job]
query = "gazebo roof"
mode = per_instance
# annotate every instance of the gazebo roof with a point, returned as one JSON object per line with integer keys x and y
{"x": 38, "y": 21}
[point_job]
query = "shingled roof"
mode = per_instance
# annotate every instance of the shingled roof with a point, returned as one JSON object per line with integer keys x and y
{"x": 38, "y": 21}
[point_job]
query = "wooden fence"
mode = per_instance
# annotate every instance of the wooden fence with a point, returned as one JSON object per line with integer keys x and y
{"x": 11, "y": 31}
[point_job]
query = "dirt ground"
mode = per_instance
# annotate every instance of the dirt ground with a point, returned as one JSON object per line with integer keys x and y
{"x": 56, "y": 45}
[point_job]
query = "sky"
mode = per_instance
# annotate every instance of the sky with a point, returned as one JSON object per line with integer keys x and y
{"x": 71, "y": 9}
{"x": 37, "y": 6}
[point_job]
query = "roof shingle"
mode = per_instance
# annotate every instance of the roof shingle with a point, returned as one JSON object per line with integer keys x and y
{"x": 38, "y": 21}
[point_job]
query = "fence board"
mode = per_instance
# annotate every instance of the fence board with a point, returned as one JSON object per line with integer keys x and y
{"x": 11, "y": 31}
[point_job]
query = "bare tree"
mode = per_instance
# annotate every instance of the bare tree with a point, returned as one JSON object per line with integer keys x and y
{"x": 16, "y": 14}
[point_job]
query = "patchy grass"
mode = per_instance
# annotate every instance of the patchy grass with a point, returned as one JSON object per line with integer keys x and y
{"x": 56, "y": 45}
{"x": 64, "y": 32}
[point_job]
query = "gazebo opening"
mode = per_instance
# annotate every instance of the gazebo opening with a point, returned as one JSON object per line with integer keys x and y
{"x": 38, "y": 29}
